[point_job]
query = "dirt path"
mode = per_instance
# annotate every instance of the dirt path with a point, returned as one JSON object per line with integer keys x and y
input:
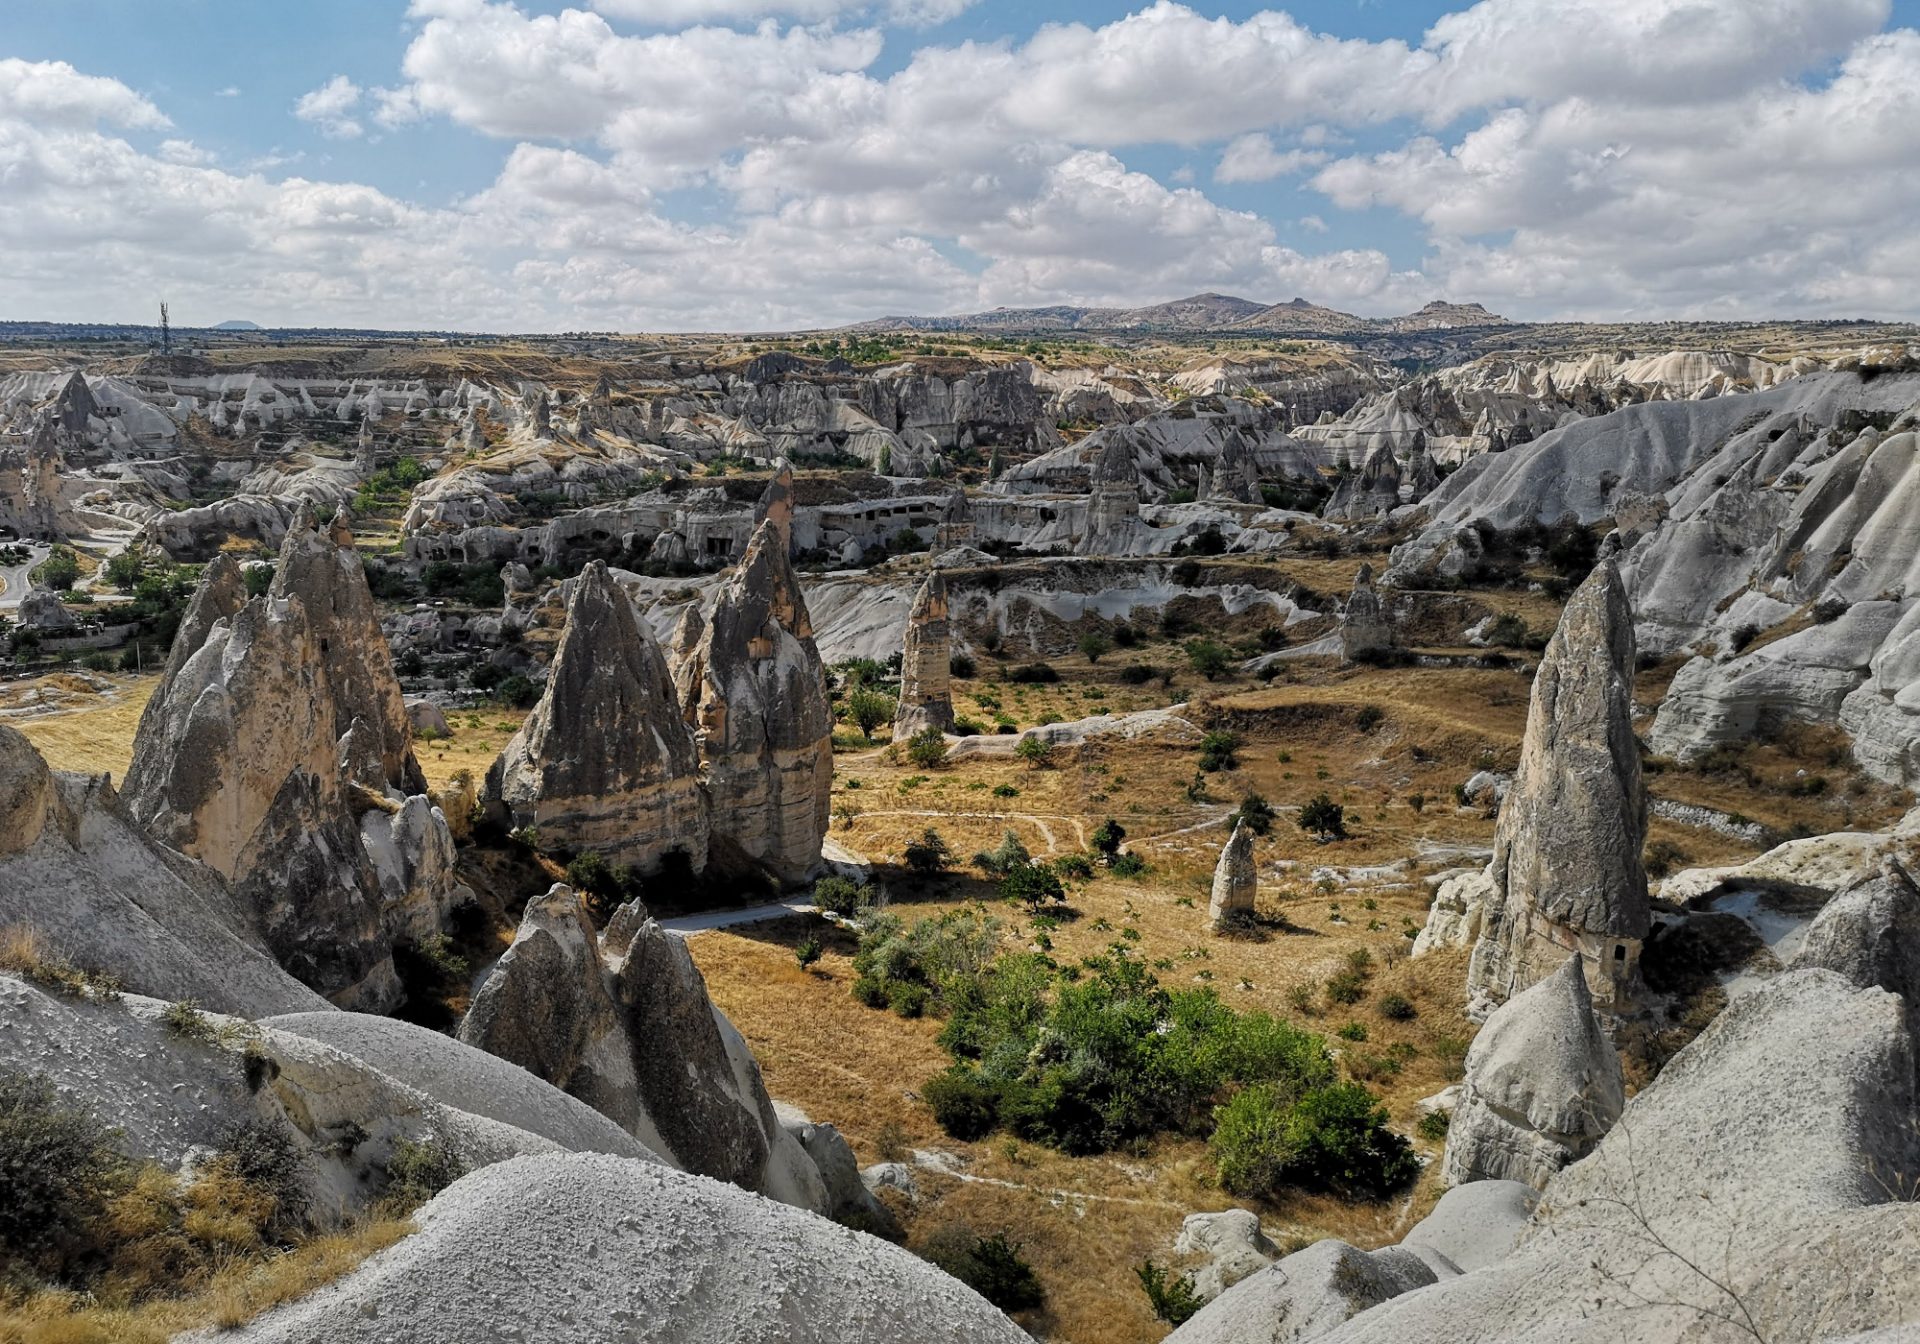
{"x": 1037, "y": 820}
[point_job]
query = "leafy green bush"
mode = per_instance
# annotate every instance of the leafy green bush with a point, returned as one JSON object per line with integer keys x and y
{"x": 1032, "y": 885}
{"x": 1169, "y": 1292}
{"x": 1255, "y": 813}
{"x": 59, "y": 1167}
{"x": 868, "y": 709}
{"x": 1434, "y": 1126}
{"x": 1037, "y": 752}
{"x": 1003, "y": 859}
{"x": 1128, "y": 865}
{"x": 991, "y": 1266}
{"x": 929, "y": 854}
{"x": 962, "y": 1104}
{"x": 1108, "y": 837}
{"x": 1326, "y": 1138}
{"x": 1077, "y": 866}
{"x": 1034, "y": 674}
{"x": 927, "y": 748}
{"x": 840, "y": 896}
{"x": 1369, "y": 717}
{"x": 807, "y": 951}
{"x": 1211, "y": 660}
{"x": 1397, "y": 1008}
{"x": 416, "y": 1172}
{"x": 1219, "y": 750}
{"x": 1323, "y": 817}
{"x": 1138, "y": 674}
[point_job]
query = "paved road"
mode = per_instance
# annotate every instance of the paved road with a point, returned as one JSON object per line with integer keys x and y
{"x": 13, "y": 579}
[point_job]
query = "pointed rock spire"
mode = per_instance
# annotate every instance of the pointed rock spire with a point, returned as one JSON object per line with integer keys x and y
{"x": 765, "y": 726}
{"x": 605, "y": 760}
{"x": 776, "y": 503}
{"x": 1365, "y": 631}
{"x": 1236, "y": 882}
{"x": 1566, "y": 866}
{"x": 926, "y": 680}
{"x": 1542, "y": 1087}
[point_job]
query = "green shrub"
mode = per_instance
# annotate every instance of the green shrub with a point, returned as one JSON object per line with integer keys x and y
{"x": 1346, "y": 987}
{"x": 991, "y": 1266}
{"x": 1108, "y": 837}
{"x": 1169, "y": 1292}
{"x": 416, "y": 1172}
{"x": 1368, "y": 718}
{"x": 961, "y": 666}
{"x": 929, "y": 854}
{"x": 1211, "y": 660}
{"x": 868, "y": 709}
{"x": 264, "y": 1155}
{"x": 59, "y": 1167}
{"x": 1255, "y": 813}
{"x": 963, "y": 1105}
{"x": 1000, "y": 861}
{"x": 1219, "y": 751}
{"x": 185, "y": 1020}
{"x": 1342, "y": 1143}
{"x": 1397, "y": 1008}
{"x": 839, "y": 896}
{"x": 908, "y": 999}
{"x": 1037, "y": 752}
{"x": 1323, "y": 817}
{"x": 1434, "y": 1126}
{"x": 1032, "y": 885}
{"x": 1138, "y": 674}
{"x": 1034, "y": 674}
{"x": 1077, "y": 866}
{"x": 807, "y": 952}
{"x": 1129, "y": 865}
{"x": 927, "y": 748}
{"x": 1353, "y": 1031}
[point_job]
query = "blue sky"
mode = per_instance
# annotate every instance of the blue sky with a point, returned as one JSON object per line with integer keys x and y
{"x": 549, "y": 165}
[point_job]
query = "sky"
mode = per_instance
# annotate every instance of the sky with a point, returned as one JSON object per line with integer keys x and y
{"x": 749, "y": 165}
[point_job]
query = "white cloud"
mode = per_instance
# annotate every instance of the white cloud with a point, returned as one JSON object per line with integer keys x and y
{"x": 332, "y": 108}
{"x": 1252, "y": 158}
{"x": 53, "y": 93}
{"x": 184, "y": 152}
{"x": 231, "y": 91}
{"x": 682, "y": 13}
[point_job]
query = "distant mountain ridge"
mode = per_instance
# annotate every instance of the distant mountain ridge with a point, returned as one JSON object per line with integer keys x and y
{"x": 1200, "y": 312}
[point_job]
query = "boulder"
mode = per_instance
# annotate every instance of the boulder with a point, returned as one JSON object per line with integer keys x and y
{"x": 1305, "y": 1296}
{"x": 1232, "y": 1244}
{"x": 427, "y": 719}
{"x": 848, "y": 1200}
{"x": 1236, "y": 881}
{"x": 1458, "y": 910}
{"x": 926, "y": 695}
{"x": 606, "y": 1248}
{"x": 1475, "y": 1225}
{"x": 764, "y": 724}
{"x": 606, "y": 761}
{"x": 1870, "y": 935}
{"x": 1566, "y": 856}
{"x": 1542, "y": 1087}
{"x": 41, "y": 609}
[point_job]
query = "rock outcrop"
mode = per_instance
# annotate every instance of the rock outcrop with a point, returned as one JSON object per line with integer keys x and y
{"x": 623, "y": 1022}
{"x": 276, "y": 750}
{"x": 605, "y": 1248}
{"x": 1542, "y": 1087}
{"x": 1566, "y": 868}
{"x": 79, "y": 875}
{"x": 764, "y": 724}
{"x": 1305, "y": 1296}
{"x": 1870, "y": 934}
{"x": 926, "y": 685}
{"x": 1232, "y": 1244}
{"x": 1236, "y": 881}
{"x": 606, "y": 761}
{"x": 1365, "y": 630}
{"x": 1113, "y": 501}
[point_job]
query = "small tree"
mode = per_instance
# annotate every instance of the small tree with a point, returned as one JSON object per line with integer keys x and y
{"x": 1323, "y": 817}
{"x": 807, "y": 953}
{"x": 1255, "y": 813}
{"x": 1169, "y": 1292}
{"x": 1094, "y": 644}
{"x": 1032, "y": 885}
{"x": 1037, "y": 752}
{"x": 869, "y": 709}
{"x": 1000, "y": 861}
{"x": 125, "y": 570}
{"x": 927, "y": 748}
{"x": 929, "y": 854}
{"x": 1219, "y": 750}
{"x": 59, "y": 570}
{"x": 1107, "y": 839}
{"x": 1209, "y": 659}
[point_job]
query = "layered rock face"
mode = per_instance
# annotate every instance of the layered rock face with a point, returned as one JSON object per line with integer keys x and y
{"x": 606, "y": 761}
{"x": 1113, "y": 501}
{"x": 1236, "y": 881}
{"x": 764, "y": 727}
{"x": 276, "y": 751}
{"x": 1365, "y": 631}
{"x": 1371, "y": 492}
{"x": 1542, "y": 1087}
{"x": 623, "y": 1022}
{"x": 926, "y": 694}
{"x": 1566, "y": 868}
{"x": 1870, "y": 934}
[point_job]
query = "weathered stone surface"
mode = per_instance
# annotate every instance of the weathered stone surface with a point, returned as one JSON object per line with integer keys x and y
{"x": 1458, "y": 910}
{"x": 1475, "y": 1225}
{"x": 605, "y": 1248}
{"x": 1365, "y": 630}
{"x": 1231, "y": 1242}
{"x": 1236, "y": 882}
{"x": 847, "y": 1199}
{"x": 1870, "y": 934}
{"x": 243, "y": 761}
{"x": 1113, "y": 501}
{"x": 1750, "y": 1180}
{"x": 1542, "y": 1087}
{"x": 765, "y": 728}
{"x": 1371, "y": 492}
{"x": 624, "y": 1023}
{"x": 926, "y": 695}
{"x": 1566, "y": 858}
{"x": 1305, "y": 1296}
{"x": 605, "y": 761}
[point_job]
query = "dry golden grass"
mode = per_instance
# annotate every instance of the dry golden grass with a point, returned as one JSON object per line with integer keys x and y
{"x": 478, "y": 736}
{"x": 95, "y": 739}
{"x": 235, "y": 1294}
